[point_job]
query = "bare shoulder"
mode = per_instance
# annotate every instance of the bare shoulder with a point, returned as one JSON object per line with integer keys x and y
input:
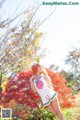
{"x": 46, "y": 77}
{"x": 32, "y": 78}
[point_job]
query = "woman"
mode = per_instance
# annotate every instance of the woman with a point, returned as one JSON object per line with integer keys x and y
{"x": 40, "y": 82}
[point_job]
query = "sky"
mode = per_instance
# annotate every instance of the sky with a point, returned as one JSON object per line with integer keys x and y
{"x": 61, "y": 30}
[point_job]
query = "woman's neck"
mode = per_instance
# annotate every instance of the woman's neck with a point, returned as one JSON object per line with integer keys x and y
{"x": 38, "y": 74}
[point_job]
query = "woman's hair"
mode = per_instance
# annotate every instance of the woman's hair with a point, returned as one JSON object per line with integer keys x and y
{"x": 35, "y": 69}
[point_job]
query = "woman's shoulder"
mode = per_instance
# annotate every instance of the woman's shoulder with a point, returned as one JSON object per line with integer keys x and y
{"x": 46, "y": 76}
{"x": 43, "y": 75}
{"x": 32, "y": 78}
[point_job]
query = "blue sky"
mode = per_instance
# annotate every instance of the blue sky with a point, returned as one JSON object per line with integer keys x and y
{"x": 61, "y": 29}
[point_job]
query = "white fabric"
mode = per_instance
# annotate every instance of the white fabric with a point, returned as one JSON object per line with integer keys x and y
{"x": 46, "y": 94}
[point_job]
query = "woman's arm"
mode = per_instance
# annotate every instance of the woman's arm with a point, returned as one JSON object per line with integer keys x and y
{"x": 47, "y": 78}
{"x": 32, "y": 84}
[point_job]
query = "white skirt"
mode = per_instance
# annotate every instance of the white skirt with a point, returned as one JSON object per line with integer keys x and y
{"x": 46, "y": 94}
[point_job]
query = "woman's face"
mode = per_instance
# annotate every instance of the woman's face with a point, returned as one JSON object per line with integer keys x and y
{"x": 39, "y": 69}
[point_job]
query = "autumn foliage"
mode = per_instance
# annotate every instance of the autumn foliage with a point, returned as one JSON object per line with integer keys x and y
{"x": 66, "y": 98}
{"x": 18, "y": 89}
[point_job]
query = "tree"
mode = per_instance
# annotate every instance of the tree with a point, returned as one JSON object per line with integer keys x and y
{"x": 71, "y": 82}
{"x": 18, "y": 89}
{"x": 73, "y": 59}
{"x": 65, "y": 95}
{"x": 54, "y": 67}
{"x": 19, "y": 46}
